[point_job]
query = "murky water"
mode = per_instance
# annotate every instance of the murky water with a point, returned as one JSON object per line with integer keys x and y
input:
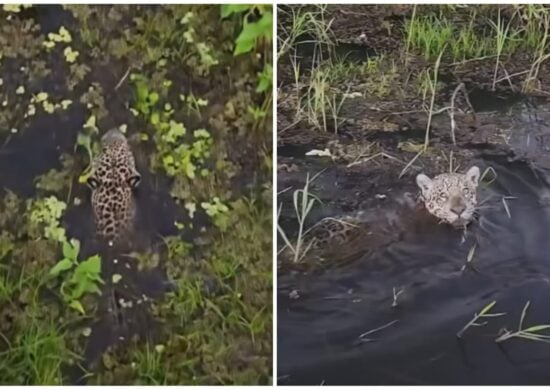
{"x": 323, "y": 316}
{"x": 319, "y": 333}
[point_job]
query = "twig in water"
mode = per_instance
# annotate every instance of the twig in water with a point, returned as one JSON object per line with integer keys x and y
{"x": 410, "y": 163}
{"x": 363, "y": 336}
{"x": 452, "y": 112}
{"x": 122, "y": 79}
{"x": 486, "y": 171}
{"x": 471, "y": 253}
{"x": 482, "y": 314}
{"x": 530, "y": 333}
{"x": 504, "y": 199}
{"x": 396, "y": 295}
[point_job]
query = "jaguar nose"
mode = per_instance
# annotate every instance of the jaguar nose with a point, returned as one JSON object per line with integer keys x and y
{"x": 458, "y": 209}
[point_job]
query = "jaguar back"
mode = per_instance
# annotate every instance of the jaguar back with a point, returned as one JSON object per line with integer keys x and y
{"x": 113, "y": 180}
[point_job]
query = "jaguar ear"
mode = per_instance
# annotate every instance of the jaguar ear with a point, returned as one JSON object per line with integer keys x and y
{"x": 473, "y": 175}
{"x": 133, "y": 181}
{"x": 92, "y": 182}
{"x": 424, "y": 182}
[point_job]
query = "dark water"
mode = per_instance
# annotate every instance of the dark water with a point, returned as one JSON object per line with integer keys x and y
{"x": 318, "y": 334}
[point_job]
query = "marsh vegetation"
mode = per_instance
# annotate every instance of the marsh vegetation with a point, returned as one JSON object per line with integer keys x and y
{"x": 369, "y": 96}
{"x": 190, "y": 86}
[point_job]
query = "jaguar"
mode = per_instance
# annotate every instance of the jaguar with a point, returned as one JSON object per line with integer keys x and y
{"x": 113, "y": 179}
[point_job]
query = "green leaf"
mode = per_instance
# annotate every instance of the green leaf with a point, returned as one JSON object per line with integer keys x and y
{"x": 61, "y": 266}
{"x": 536, "y": 328}
{"x": 265, "y": 79}
{"x": 229, "y": 9}
{"x": 251, "y": 32}
{"x": 487, "y": 308}
{"x": 142, "y": 91}
{"x": 155, "y": 118}
{"x": 77, "y": 306}
{"x": 71, "y": 249}
{"x": 116, "y": 278}
{"x": 91, "y": 266}
{"x": 153, "y": 98}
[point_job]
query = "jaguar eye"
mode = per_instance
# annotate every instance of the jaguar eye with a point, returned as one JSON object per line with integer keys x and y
{"x": 93, "y": 183}
{"x": 133, "y": 181}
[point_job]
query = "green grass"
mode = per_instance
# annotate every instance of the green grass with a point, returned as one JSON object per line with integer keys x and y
{"x": 218, "y": 328}
{"x": 485, "y": 35}
{"x": 308, "y": 21}
{"x": 35, "y": 356}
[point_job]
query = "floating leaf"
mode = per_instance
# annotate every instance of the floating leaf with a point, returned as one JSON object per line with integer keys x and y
{"x": 31, "y": 110}
{"x": 66, "y": 103}
{"x": 48, "y": 107}
{"x": 116, "y": 278}
{"x": 70, "y": 54}
{"x": 192, "y": 208}
{"x": 64, "y": 34}
{"x": 41, "y": 96}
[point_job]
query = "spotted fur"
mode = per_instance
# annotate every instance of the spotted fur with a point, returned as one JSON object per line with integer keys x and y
{"x": 451, "y": 197}
{"x": 331, "y": 231}
{"x": 330, "y": 238}
{"x": 113, "y": 179}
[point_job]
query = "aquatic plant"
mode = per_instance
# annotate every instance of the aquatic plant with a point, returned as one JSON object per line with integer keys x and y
{"x": 530, "y": 333}
{"x": 84, "y": 275}
{"x": 303, "y": 203}
{"x": 44, "y": 218}
{"x": 218, "y": 212}
{"x": 484, "y": 313}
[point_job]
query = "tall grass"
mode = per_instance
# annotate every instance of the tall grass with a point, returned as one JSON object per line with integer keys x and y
{"x": 307, "y": 21}
{"x": 303, "y": 202}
